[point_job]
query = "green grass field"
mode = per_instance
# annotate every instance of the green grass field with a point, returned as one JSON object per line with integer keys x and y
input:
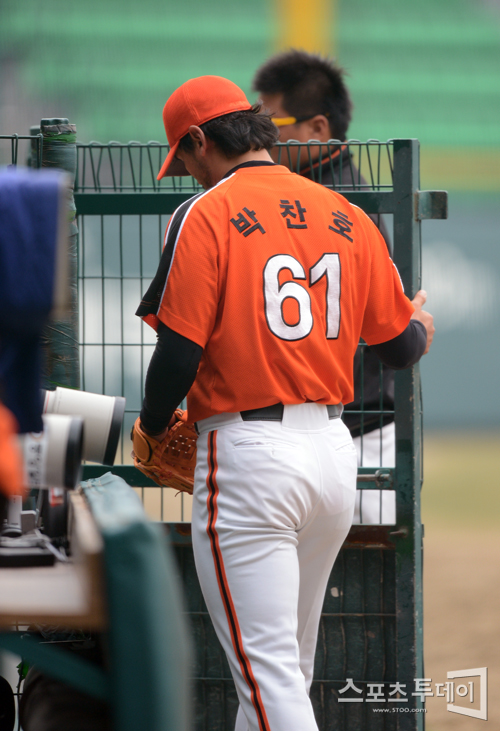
{"x": 461, "y": 480}
{"x": 461, "y": 513}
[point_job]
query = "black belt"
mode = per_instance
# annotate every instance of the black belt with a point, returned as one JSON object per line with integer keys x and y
{"x": 275, "y": 412}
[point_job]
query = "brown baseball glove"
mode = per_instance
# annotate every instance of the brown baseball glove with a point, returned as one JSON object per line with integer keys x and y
{"x": 170, "y": 462}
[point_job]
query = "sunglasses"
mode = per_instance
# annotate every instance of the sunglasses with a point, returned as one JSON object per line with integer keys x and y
{"x": 284, "y": 121}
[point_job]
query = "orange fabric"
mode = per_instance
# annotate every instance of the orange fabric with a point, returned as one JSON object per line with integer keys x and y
{"x": 227, "y": 291}
{"x": 11, "y": 464}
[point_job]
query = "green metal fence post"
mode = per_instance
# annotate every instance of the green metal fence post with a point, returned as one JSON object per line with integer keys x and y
{"x": 61, "y": 337}
{"x": 408, "y": 533}
{"x": 33, "y": 159}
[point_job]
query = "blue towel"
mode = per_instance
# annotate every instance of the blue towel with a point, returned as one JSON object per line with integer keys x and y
{"x": 29, "y": 219}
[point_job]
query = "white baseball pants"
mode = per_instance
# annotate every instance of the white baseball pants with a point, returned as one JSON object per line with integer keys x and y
{"x": 273, "y": 503}
{"x": 376, "y": 449}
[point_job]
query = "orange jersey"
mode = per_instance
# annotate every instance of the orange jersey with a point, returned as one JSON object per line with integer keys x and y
{"x": 276, "y": 278}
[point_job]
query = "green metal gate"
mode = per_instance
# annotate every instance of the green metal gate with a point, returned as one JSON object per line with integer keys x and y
{"x": 371, "y": 627}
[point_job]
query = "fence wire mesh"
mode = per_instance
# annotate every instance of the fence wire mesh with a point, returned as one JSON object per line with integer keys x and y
{"x": 370, "y": 602}
{"x": 118, "y": 257}
{"x": 21, "y": 150}
{"x": 133, "y": 166}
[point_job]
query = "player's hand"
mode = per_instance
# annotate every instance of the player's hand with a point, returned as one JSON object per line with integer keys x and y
{"x": 161, "y": 436}
{"x": 425, "y": 317}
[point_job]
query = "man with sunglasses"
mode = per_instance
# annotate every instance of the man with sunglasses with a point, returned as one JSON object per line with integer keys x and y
{"x": 309, "y": 100}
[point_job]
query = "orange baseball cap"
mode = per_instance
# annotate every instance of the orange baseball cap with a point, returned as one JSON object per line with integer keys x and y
{"x": 195, "y": 102}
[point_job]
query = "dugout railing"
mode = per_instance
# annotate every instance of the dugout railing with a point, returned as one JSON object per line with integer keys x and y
{"x": 371, "y": 627}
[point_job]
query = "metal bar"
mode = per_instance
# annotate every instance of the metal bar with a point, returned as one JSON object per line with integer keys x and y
{"x": 408, "y": 536}
{"x": 101, "y": 152}
{"x": 381, "y": 417}
{"x": 134, "y": 204}
{"x": 370, "y": 167}
{"x": 39, "y": 150}
{"x": 122, "y": 348}
{"x": 81, "y": 281}
{"x": 349, "y": 158}
{"x": 431, "y": 204}
{"x": 94, "y": 175}
{"x": 131, "y": 167}
{"x": 15, "y": 147}
{"x": 103, "y": 302}
{"x": 362, "y": 412}
{"x": 381, "y": 479}
{"x": 60, "y": 338}
{"x": 379, "y": 156}
{"x": 369, "y": 411}
{"x": 84, "y": 169}
{"x": 129, "y": 473}
{"x": 151, "y": 169}
{"x": 121, "y": 167}
{"x": 111, "y": 164}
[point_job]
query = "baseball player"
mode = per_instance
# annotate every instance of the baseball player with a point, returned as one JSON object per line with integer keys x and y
{"x": 309, "y": 100}
{"x": 265, "y": 284}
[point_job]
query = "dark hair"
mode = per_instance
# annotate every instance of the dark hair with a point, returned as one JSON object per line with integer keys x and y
{"x": 238, "y": 132}
{"x": 310, "y": 85}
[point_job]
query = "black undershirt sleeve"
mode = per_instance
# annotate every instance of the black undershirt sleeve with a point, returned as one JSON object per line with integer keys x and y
{"x": 171, "y": 374}
{"x": 405, "y": 349}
